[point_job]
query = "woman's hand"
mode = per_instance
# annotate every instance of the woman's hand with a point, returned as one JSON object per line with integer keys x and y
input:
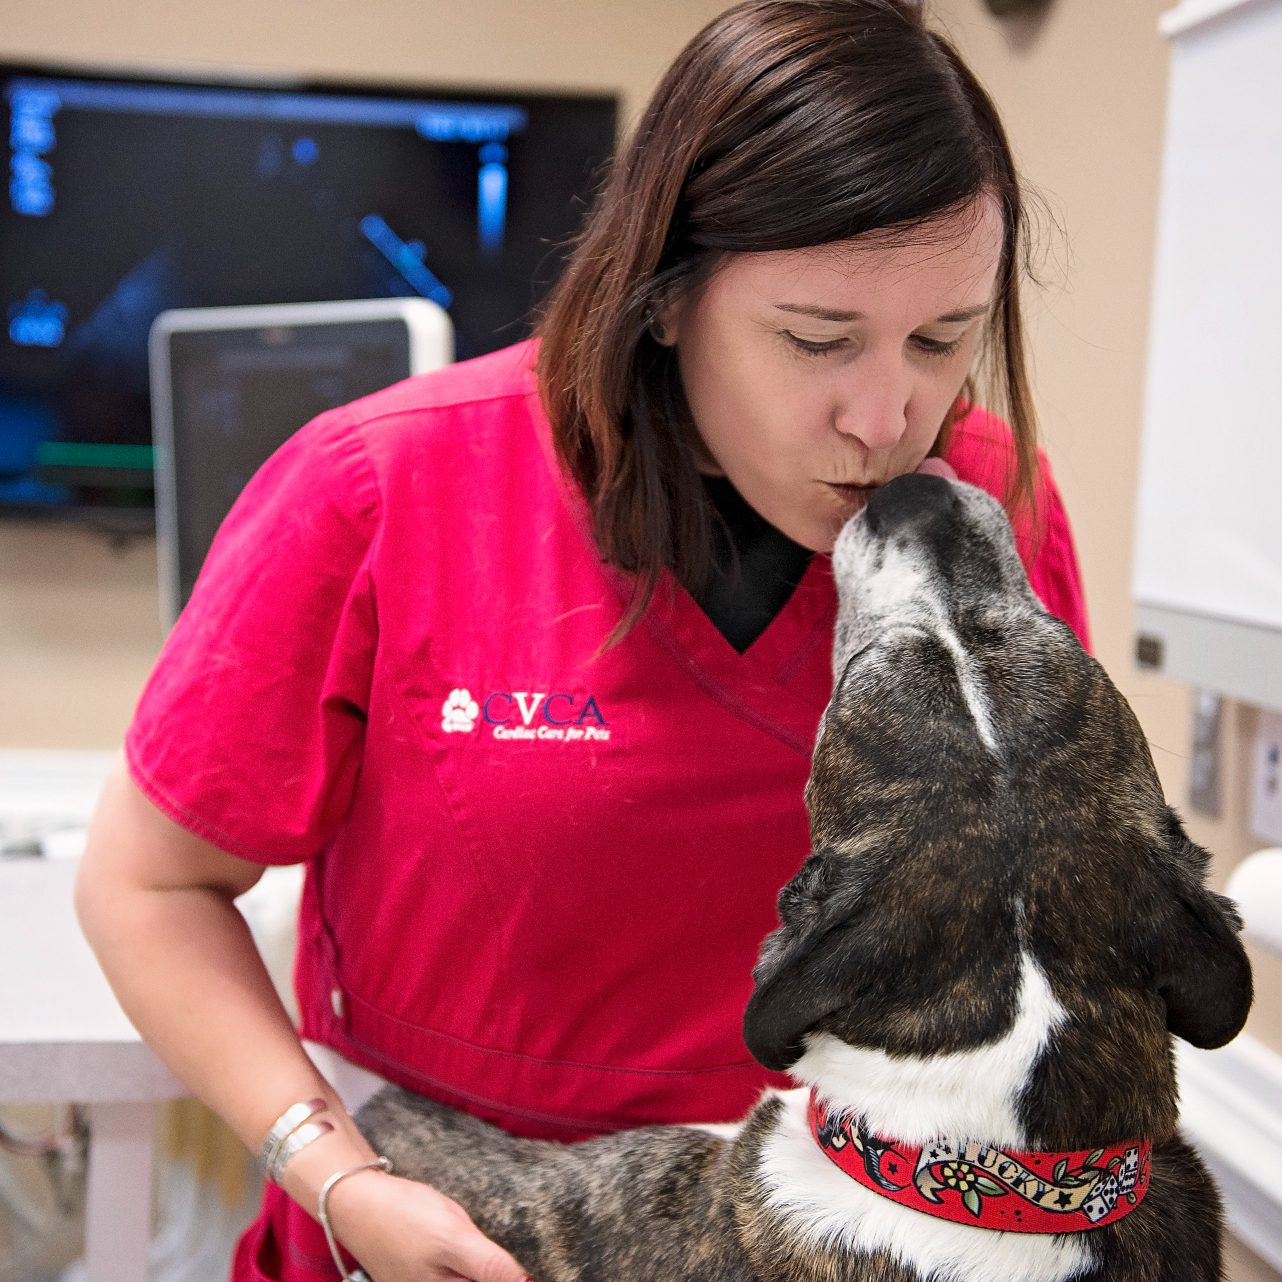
{"x": 403, "y": 1231}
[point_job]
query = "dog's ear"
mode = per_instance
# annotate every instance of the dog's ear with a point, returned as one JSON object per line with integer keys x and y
{"x": 799, "y": 978}
{"x": 1201, "y": 970}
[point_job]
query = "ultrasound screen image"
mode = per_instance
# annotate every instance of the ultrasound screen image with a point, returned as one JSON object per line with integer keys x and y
{"x": 128, "y": 197}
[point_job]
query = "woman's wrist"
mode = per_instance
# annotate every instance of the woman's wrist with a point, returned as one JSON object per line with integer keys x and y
{"x": 339, "y": 1150}
{"x": 323, "y": 1210}
{"x": 296, "y": 1123}
{"x": 298, "y": 1126}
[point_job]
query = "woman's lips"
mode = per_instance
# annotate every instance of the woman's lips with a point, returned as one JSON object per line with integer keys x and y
{"x": 853, "y": 498}
{"x": 927, "y": 467}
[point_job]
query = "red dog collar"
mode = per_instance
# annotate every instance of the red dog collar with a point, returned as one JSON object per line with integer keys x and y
{"x": 994, "y": 1188}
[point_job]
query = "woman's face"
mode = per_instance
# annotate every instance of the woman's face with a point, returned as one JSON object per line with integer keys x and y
{"x": 816, "y": 375}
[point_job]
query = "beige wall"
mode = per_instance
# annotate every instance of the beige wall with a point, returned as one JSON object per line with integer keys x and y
{"x": 1082, "y": 92}
{"x": 600, "y": 44}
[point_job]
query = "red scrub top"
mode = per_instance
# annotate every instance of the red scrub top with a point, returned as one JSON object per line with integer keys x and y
{"x": 538, "y": 874}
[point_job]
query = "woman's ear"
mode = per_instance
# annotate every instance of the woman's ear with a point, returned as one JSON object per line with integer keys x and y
{"x": 666, "y": 320}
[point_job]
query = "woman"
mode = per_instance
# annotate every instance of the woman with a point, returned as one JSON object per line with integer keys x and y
{"x": 525, "y": 657}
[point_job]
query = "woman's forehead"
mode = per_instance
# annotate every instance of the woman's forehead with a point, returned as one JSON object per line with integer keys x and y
{"x": 952, "y": 261}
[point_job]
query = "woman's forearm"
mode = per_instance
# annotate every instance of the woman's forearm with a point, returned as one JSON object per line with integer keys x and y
{"x": 157, "y": 906}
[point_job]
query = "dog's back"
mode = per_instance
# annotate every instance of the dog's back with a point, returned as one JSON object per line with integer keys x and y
{"x": 651, "y": 1203}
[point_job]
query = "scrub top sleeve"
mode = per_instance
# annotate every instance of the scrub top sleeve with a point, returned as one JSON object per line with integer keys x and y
{"x": 1054, "y": 572}
{"x": 250, "y": 728}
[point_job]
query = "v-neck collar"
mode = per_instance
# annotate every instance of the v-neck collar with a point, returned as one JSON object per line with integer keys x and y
{"x": 755, "y": 685}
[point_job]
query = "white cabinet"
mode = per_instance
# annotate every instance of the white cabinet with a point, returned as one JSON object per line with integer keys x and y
{"x": 1208, "y": 563}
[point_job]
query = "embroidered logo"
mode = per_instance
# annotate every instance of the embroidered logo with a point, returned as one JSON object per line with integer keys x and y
{"x": 459, "y": 713}
{"x": 557, "y": 716}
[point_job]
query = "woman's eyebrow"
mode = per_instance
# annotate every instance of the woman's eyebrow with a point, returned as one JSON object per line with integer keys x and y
{"x": 966, "y": 313}
{"x": 840, "y": 316}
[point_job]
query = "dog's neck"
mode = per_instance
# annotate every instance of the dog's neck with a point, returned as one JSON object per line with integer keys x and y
{"x": 968, "y": 1095}
{"x": 982, "y": 1185}
{"x": 973, "y": 1093}
{"x": 800, "y": 1185}
{"x": 1053, "y": 1080}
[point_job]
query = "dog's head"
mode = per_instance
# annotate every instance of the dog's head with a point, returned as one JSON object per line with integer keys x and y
{"x": 983, "y": 806}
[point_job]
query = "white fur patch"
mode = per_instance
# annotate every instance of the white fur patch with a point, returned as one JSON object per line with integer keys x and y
{"x": 829, "y": 1207}
{"x": 967, "y": 1094}
{"x": 973, "y": 693}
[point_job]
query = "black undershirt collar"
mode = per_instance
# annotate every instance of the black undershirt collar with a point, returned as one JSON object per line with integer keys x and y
{"x": 755, "y": 568}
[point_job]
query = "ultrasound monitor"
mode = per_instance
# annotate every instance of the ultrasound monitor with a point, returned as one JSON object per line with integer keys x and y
{"x": 231, "y": 384}
{"x": 131, "y": 194}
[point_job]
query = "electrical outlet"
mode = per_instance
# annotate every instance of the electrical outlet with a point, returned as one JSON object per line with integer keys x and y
{"x": 1266, "y": 789}
{"x": 1204, "y": 777}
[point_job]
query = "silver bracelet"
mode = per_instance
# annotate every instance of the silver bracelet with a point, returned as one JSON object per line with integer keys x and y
{"x": 322, "y": 1213}
{"x": 293, "y": 1145}
{"x": 285, "y": 1125}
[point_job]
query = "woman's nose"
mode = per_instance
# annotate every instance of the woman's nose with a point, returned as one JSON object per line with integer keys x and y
{"x": 874, "y": 408}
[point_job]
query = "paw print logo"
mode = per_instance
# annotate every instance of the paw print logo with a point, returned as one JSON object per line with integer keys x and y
{"x": 459, "y": 713}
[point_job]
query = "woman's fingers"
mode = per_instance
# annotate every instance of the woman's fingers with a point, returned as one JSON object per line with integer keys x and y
{"x": 481, "y": 1260}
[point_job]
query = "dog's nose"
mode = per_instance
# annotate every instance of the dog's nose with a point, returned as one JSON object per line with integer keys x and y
{"x": 907, "y": 497}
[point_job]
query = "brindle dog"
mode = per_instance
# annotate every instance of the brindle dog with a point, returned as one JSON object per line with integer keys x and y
{"x": 1000, "y": 928}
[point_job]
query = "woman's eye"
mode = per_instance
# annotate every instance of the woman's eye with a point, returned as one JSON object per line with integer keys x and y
{"x": 937, "y": 347}
{"x": 822, "y": 347}
{"x": 813, "y": 348}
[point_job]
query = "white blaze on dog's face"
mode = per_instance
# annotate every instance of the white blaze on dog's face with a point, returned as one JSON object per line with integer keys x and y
{"x": 1002, "y": 922}
{"x": 896, "y": 578}
{"x": 900, "y": 582}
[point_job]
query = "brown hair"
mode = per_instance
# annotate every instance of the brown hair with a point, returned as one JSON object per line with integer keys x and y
{"x": 784, "y": 124}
